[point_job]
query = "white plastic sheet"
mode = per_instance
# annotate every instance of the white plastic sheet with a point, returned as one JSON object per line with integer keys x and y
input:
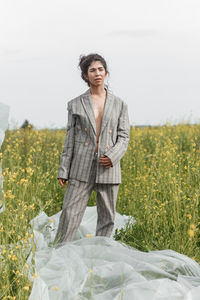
{"x": 4, "y": 112}
{"x": 100, "y": 268}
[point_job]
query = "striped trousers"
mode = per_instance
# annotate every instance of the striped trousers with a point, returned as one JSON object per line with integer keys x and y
{"x": 75, "y": 202}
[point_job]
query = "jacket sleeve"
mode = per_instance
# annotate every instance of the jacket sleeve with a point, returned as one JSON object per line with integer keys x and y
{"x": 116, "y": 152}
{"x": 67, "y": 152}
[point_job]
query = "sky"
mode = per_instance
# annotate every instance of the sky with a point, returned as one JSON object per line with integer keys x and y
{"x": 151, "y": 47}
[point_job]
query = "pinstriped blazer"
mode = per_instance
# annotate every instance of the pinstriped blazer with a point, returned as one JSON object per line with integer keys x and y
{"x": 80, "y": 141}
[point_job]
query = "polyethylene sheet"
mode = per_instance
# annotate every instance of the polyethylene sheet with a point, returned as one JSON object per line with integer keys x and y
{"x": 100, "y": 268}
{"x": 4, "y": 111}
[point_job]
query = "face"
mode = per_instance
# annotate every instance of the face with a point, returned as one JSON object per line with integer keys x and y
{"x": 96, "y": 74}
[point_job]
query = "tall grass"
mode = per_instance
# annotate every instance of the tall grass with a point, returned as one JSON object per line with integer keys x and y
{"x": 160, "y": 188}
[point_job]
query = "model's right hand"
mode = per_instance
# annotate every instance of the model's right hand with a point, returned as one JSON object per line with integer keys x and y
{"x": 62, "y": 181}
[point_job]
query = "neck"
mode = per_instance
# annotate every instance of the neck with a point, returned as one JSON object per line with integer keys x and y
{"x": 97, "y": 90}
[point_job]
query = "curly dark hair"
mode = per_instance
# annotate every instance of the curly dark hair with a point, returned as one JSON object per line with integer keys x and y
{"x": 86, "y": 60}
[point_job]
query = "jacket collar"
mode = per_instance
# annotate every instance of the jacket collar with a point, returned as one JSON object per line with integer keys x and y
{"x": 87, "y": 103}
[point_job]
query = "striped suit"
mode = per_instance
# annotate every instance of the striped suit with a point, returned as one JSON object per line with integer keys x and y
{"x": 80, "y": 139}
{"x": 79, "y": 163}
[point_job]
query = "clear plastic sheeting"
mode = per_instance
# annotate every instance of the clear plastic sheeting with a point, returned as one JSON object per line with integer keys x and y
{"x": 100, "y": 268}
{"x": 4, "y": 113}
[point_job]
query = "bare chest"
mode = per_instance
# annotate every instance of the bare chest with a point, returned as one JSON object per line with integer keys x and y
{"x": 99, "y": 109}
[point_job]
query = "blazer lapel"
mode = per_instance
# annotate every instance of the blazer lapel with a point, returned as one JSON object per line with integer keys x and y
{"x": 88, "y": 106}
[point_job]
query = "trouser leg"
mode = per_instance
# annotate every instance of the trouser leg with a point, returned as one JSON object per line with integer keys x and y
{"x": 106, "y": 205}
{"x": 75, "y": 202}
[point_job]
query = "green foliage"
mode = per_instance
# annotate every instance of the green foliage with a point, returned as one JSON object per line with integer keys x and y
{"x": 160, "y": 189}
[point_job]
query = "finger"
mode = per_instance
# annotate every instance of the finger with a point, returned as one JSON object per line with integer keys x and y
{"x": 61, "y": 183}
{"x": 104, "y": 159}
{"x": 106, "y": 164}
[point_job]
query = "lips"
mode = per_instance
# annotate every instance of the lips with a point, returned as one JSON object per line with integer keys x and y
{"x": 97, "y": 79}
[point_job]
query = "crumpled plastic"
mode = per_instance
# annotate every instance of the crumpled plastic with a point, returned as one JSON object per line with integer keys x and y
{"x": 4, "y": 113}
{"x": 100, "y": 268}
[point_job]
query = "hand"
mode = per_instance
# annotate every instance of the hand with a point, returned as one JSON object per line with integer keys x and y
{"x": 62, "y": 181}
{"x": 105, "y": 161}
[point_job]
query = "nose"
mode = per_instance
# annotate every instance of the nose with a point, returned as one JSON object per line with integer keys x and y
{"x": 97, "y": 72}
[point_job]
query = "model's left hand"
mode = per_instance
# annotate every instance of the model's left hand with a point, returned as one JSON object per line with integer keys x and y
{"x": 105, "y": 161}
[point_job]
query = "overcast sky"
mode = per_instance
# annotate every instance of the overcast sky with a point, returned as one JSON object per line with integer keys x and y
{"x": 151, "y": 46}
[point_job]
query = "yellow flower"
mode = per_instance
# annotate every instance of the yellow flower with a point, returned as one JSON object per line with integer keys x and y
{"x": 91, "y": 271}
{"x": 191, "y": 233}
{"x": 192, "y": 226}
{"x": 23, "y": 181}
{"x": 189, "y": 216}
{"x": 18, "y": 273}
{"x": 26, "y": 288}
{"x": 8, "y": 195}
{"x": 14, "y": 257}
{"x": 32, "y": 206}
{"x": 89, "y": 235}
{"x": 54, "y": 288}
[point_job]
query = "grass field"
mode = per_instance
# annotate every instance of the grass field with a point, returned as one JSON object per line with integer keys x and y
{"x": 160, "y": 188}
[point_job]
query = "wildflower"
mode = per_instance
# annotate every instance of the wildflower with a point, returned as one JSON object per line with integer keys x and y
{"x": 23, "y": 181}
{"x": 8, "y": 195}
{"x": 191, "y": 233}
{"x": 89, "y": 235}
{"x": 35, "y": 275}
{"x": 54, "y": 288}
{"x": 26, "y": 288}
{"x": 189, "y": 216}
{"x": 192, "y": 226}
{"x": 32, "y": 206}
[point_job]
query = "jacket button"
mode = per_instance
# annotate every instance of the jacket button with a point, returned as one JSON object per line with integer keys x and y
{"x": 86, "y": 143}
{"x": 86, "y": 129}
{"x": 110, "y": 131}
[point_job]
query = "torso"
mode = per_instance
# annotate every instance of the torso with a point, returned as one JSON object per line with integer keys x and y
{"x": 98, "y": 105}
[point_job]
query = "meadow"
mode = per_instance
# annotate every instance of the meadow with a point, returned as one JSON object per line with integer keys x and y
{"x": 160, "y": 188}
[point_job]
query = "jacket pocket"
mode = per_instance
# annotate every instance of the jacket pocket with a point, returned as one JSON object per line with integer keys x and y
{"x": 80, "y": 135}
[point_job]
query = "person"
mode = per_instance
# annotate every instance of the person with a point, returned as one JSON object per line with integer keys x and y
{"x": 97, "y": 138}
